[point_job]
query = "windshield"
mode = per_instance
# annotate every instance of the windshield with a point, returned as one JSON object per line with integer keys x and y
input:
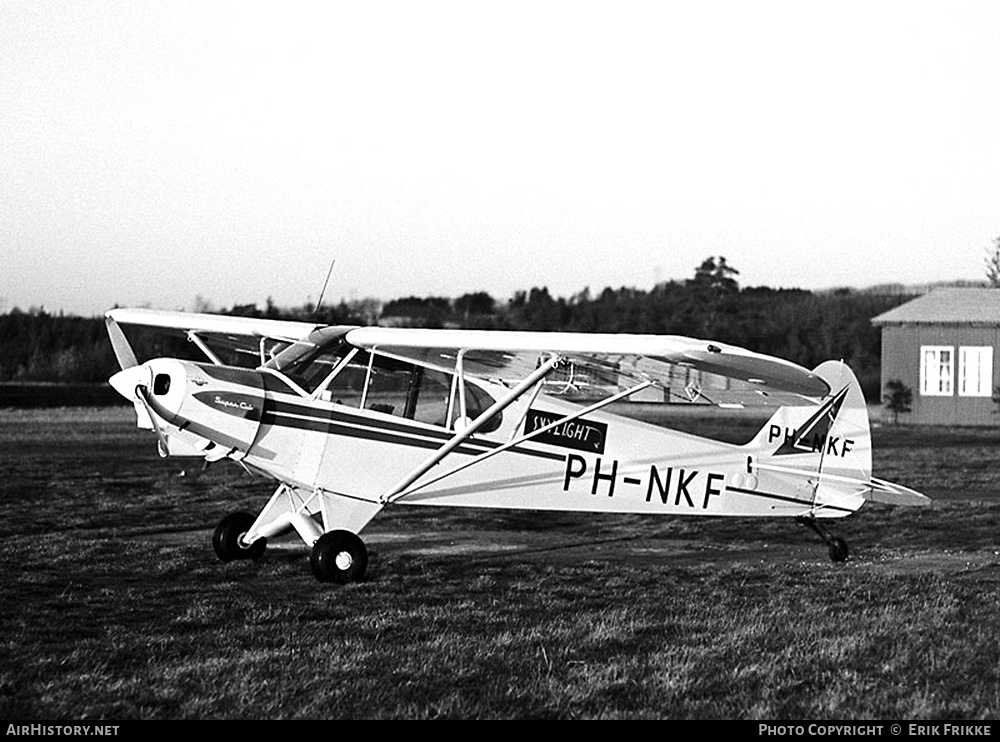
{"x": 310, "y": 360}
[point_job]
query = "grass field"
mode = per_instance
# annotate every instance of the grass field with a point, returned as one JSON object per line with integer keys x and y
{"x": 114, "y": 605}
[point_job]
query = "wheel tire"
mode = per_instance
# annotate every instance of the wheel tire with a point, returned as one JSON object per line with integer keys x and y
{"x": 838, "y": 550}
{"x": 339, "y": 556}
{"x": 227, "y": 543}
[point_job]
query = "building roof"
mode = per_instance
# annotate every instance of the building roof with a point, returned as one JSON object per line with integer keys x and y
{"x": 947, "y": 306}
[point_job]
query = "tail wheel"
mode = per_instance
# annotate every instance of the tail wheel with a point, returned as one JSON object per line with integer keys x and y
{"x": 228, "y": 538}
{"x": 836, "y": 545}
{"x": 838, "y": 549}
{"x": 339, "y": 556}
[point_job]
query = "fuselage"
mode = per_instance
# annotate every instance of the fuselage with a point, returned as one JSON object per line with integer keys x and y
{"x": 359, "y": 438}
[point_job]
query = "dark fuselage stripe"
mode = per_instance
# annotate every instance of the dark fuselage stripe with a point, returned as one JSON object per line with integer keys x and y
{"x": 329, "y": 427}
{"x": 280, "y": 407}
{"x": 329, "y": 422}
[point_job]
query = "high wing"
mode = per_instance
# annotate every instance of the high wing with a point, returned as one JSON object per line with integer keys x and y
{"x": 595, "y": 365}
{"x": 250, "y": 339}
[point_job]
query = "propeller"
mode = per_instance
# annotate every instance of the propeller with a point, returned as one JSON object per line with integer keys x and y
{"x": 131, "y": 381}
{"x": 123, "y": 351}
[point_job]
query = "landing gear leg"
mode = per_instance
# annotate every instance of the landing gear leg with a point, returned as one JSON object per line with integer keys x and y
{"x": 836, "y": 545}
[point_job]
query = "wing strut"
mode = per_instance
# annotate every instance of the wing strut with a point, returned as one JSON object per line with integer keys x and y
{"x": 193, "y": 337}
{"x": 465, "y": 433}
{"x": 518, "y": 440}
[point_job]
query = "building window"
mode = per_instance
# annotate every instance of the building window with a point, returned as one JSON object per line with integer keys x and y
{"x": 936, "y": 370}
{"x": 975, "y": 371}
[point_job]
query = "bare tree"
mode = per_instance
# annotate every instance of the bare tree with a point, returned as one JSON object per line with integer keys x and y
{"x": 993, "y": 264}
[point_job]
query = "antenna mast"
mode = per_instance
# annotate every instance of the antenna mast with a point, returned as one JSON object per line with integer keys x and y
{"x": 319, "y": 302}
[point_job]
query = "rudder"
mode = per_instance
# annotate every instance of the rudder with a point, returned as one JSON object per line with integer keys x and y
{"x": 822, "y": 451}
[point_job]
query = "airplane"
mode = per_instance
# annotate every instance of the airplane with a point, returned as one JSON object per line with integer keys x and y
{"x": 348, "y": 420}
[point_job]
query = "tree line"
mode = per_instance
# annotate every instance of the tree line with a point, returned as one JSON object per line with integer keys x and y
{"x": 802, "y": 326}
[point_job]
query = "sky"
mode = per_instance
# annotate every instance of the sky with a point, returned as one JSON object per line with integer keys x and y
{"x": 180, "y": 154}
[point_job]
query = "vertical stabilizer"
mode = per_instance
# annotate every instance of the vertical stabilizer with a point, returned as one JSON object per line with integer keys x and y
{"x": 825, "y": 449}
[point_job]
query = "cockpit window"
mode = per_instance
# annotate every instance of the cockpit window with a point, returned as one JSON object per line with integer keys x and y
{"x": 477, "y": 402}
{"x": 378, "y": 383}
{"x": 414, "y": 392}
{"x": 399, "y": 388}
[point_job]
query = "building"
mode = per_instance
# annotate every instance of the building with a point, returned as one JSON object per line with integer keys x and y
{"x": 943, "y": 346}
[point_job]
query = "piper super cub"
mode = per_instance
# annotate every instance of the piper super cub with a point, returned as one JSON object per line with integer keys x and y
{"x": 348, "y": 420}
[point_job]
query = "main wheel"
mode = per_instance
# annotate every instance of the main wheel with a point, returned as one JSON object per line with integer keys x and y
{"x": 838, "y": 549}
{"x": 228, "y": 538}
{"x": 339, "y": 556}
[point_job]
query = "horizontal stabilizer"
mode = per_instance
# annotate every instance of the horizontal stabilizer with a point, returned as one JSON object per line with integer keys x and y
{"x": 875, "y": 490}
{"x": 889, "y": 493}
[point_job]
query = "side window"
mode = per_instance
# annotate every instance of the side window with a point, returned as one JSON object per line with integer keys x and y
{"x": 429, "y": 396}
{"x": 348, "y": 386}
{"x": 413, "y": 392}
{"x": 406, "y": 390}
{"x": 477, "y": 402}
{"x": 388, "y": 386}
